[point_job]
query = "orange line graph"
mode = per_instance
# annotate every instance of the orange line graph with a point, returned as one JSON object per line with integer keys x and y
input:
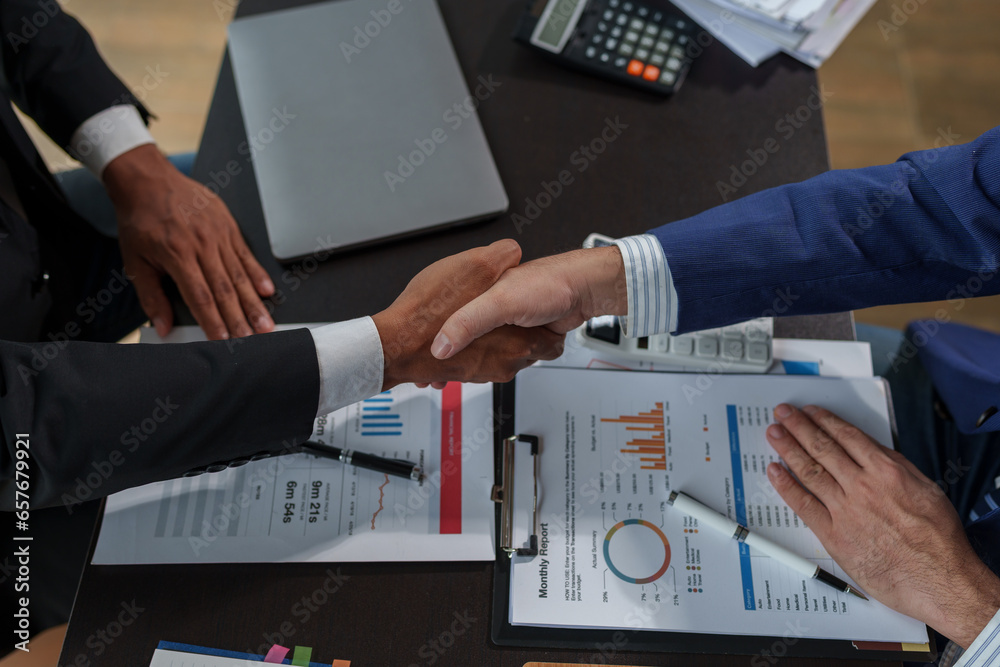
{"x": 643, "y": 446}
{"x": 381, "y": 495}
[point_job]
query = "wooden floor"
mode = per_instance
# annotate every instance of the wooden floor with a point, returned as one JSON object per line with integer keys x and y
{"x": 900, "y": 82}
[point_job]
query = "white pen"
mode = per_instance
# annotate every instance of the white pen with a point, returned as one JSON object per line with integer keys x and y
{"x": 708, "y": 517}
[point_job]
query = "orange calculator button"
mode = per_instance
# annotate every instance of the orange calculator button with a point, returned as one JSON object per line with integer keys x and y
{"x": 635, "y": 68}
{"x": 652, "y": 73}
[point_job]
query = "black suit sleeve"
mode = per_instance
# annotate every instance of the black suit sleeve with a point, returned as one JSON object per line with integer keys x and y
{"x": 101, "y": 418}
{"x": 53, "y": 70}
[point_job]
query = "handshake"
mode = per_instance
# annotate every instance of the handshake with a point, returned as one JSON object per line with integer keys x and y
{"x": 480, "y": 316}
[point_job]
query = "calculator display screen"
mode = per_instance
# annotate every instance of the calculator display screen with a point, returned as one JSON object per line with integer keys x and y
{"x": 559, "y": 21}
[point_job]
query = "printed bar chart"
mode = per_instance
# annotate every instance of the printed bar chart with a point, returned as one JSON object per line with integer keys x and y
{"x": 379, "y": 416}
{"x": 648, "y": 443}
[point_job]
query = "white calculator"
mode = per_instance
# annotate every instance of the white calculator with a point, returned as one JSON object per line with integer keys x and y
{"x": 737, "y": 348}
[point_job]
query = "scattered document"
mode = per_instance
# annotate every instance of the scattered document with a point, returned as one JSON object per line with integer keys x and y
{"x": 748, "y": 45}
{"x": 809, "y": 30}
{"x": 167, "y": 658}
{"x": 164, "y": 658}
{"x": 174, "y": 654}
{"x": 303, "y": 508}
{"x": 613, "y": 554}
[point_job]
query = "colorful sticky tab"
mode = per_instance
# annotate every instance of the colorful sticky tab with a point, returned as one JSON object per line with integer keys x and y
{"x": 302, "y": 656}
{"x": 341, "y": 663}
{"x": 276, "y": 654}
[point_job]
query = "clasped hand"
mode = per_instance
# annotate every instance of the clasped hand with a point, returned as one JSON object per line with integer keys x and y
{"x": 559, "y": 292}
{"x": 407, "y": 327}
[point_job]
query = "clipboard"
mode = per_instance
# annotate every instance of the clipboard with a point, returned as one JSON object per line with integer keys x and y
{"x": 606, "y": 643}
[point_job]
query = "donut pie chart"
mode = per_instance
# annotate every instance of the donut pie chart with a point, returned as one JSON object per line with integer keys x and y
{"x": 636, "y": 551}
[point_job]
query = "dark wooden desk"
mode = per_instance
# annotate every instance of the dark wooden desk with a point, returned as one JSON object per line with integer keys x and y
{"x": 664, "y": 166}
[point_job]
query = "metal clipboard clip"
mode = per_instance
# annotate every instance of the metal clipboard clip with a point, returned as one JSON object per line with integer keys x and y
{"x": 503, "y": 493}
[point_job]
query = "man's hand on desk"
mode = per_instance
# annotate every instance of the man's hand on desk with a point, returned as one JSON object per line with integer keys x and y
{"x": 407, "y": 327}
{"x": 891, "y": 528}
{"x": 559, "y": 292}
{"x": 171, "y": 225}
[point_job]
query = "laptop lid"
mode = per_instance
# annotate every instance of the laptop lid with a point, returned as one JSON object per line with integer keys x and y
{"x": 360, "y": 125}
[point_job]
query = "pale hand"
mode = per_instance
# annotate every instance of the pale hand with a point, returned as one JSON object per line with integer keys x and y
{"x": 890, "y": 527}
{"x": 407, "y": 327}
{"x": 170, "y": 225}
{"x": 559, "y": 292}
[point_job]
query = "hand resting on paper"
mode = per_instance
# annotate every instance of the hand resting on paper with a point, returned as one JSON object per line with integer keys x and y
{"x": 891, "y": 528}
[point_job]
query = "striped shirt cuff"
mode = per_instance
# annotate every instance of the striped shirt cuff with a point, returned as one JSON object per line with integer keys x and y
{"x": 652, "y": 299}
{"x": 985, "y": 651}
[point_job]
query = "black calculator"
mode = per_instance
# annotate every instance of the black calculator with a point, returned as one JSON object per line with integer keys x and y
{"x": 626, "y": 41}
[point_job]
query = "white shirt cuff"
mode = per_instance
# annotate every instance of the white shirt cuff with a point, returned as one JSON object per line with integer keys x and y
{"x": 350, "y": 363}
{"x": 106, "y": 135}
{"x": 652, "y": 299}
{"x": 985, "y": 651}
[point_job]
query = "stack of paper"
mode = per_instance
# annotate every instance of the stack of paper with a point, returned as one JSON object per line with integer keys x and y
{"x": 810, "y": 30}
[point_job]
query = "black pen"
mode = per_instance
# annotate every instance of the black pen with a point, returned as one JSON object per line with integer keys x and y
{"x": 397, "y": 467}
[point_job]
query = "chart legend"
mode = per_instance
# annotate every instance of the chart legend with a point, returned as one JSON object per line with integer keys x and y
{"x": 648, "y": 442}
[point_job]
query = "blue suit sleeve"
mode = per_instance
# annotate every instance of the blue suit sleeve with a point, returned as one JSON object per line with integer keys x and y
{"x": 924, "y": 228}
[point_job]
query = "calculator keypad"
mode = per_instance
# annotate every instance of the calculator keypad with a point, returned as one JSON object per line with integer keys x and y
{"x": 639, "y": 42}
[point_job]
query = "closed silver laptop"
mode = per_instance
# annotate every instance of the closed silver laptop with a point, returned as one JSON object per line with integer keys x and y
{"x": 360, "y": 125}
